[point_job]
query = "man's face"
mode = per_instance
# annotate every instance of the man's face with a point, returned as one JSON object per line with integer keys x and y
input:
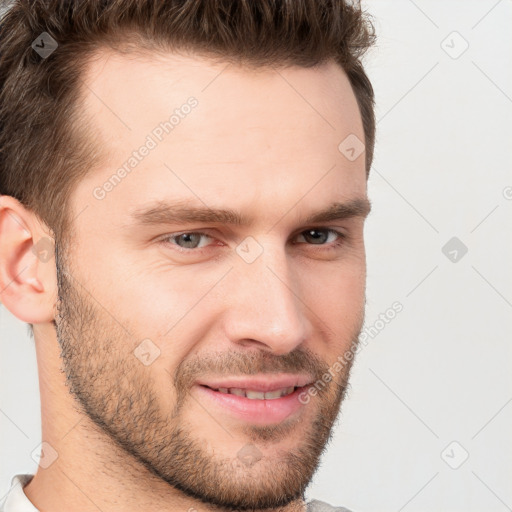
{"x": 160, "y": 315}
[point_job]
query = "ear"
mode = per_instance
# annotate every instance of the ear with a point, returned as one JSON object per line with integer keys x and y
{"x": 28, "y": 277}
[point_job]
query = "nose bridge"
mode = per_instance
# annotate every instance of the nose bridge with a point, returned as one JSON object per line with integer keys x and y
{"x": 266, "y": 304}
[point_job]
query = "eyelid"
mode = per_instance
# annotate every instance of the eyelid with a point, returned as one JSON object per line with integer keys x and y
{"x": 338, "y": 230}
{"x": 164, "y": 239}
{"x": 341, "y": 237}
{"x": 339, "y": 233}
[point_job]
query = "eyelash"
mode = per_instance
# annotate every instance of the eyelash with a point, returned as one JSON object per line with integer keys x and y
{"x": 340, "y": 240}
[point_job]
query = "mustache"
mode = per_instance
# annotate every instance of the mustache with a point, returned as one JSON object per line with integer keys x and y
{"x": 235, "y": 363}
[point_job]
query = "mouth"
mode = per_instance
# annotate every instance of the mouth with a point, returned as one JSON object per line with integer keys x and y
{"x": 253, "y": 394}
{"x": 256, "y": 400}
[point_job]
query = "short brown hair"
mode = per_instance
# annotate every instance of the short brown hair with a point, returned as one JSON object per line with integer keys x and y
{"x": 45, "y": 147}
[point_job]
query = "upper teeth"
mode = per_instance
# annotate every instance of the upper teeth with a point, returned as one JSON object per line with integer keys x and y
{"x": 258, "y": 395}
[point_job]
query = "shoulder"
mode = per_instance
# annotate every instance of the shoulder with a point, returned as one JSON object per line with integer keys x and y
{"x": 322, "y": 506}
{"x": 16, "y": 500}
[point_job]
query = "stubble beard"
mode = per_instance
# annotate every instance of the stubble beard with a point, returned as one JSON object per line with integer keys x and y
{"x": 113, "y": 388}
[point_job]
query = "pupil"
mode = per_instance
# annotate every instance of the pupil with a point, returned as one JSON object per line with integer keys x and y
{"x": 316, "y": 236}
{"x": 188, "y": 239}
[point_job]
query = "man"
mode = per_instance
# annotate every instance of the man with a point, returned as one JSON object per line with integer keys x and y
{"x": 181, "y": 223}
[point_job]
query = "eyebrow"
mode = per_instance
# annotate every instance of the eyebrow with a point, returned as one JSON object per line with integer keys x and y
{"x": 181, "y": 212}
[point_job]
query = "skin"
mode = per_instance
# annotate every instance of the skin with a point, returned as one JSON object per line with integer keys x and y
{"x": 264, "y": 143}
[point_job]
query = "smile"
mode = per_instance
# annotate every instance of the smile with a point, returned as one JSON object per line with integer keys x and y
{"x": 258, "y": 395}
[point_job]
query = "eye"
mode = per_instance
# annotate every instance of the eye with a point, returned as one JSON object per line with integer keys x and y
{"x": 194, "y": 240}
{"x": 322, "y": 236}
{"x": 186, "y": 241}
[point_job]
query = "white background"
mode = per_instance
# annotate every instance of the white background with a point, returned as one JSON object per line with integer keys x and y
{"x": 434, "y": 385}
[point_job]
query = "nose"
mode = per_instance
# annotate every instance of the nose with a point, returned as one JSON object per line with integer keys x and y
{"x": 264, "y": 307}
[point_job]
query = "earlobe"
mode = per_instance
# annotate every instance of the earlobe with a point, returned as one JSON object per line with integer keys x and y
{"x": 27, "y": 268}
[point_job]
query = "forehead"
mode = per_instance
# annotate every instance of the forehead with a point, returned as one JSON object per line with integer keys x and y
{"x": 273, "y": 131}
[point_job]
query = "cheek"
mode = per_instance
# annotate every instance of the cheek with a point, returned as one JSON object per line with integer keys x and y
{"x": 171, "y": 308}
{"x": 154, "y": 296}
{"x": 336, "y": 294}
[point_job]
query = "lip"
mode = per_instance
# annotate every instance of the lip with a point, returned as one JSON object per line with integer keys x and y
{"x": 254, "y": 411}
{"x": 262, "y": 383}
